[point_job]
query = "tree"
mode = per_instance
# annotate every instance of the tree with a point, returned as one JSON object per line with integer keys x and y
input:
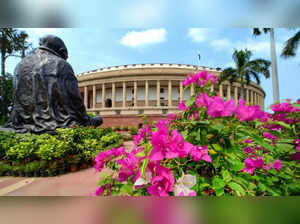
{"x": 12, "y": 43}
{"x": 245, "y": 69}
{"x": 275, "y": 83}
{"x": 7, "y": 98}
{"x": 291, "y": 46}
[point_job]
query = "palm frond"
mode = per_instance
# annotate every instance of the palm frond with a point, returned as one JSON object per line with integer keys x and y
{"x": 291, "y": 46}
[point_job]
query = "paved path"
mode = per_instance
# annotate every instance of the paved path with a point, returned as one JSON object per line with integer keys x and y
{"x": 81, "y": 183}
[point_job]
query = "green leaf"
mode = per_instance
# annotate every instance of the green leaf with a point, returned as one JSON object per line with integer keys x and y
{"x": 141, "y": 154}
{"x": 218, "y": 183}
{"x": 262, "y": 187}
{"x": 127, "y": 188}
{"x": 144, "y": 166}
{"x": 218, "y": 126}
{"x": 217, "y": 147}
{"x": 237, "y": 188}
{"x": 235, "y": 165}
{"x": 191, "y": 101}
{"x": 219, "y": 192}
{"x": 226, "y": 176}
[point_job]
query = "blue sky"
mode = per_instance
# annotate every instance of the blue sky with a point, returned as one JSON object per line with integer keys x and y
{"x": 92, "y": 48}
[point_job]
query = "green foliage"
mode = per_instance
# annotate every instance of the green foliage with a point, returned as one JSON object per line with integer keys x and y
{"x": 34, "y": 153}
{"x": 133, "y": 130}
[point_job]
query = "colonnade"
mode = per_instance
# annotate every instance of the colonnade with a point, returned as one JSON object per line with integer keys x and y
{"x": 252, "y": 95}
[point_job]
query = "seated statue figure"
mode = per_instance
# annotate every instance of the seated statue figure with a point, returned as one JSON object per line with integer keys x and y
{"x": 46, "y": 94}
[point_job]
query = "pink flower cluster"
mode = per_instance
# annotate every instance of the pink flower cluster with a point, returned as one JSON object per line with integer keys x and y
{"x": 162, "y": 183}
{"x": 166, "y": 146}
{"x": 284, "y": 107}
{"x": 268, "y": 135}
{"x": 102, "y": 157}
{"x": 202, "y": 78}
{"x": 141, "y": 134}
{"x": 215, "y": 106}
{"x": 252, "y": 164}
{"x": 297, "y": 143}
{"x": 282, "y": 112}
{"x": 249, "y": 113}
{"x": 182, "y": 106}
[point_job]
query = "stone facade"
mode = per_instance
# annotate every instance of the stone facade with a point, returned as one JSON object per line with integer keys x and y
{"x": 151, "y": 89}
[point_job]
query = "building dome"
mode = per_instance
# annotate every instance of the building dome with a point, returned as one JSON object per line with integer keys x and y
{"x": 121, "y": 93}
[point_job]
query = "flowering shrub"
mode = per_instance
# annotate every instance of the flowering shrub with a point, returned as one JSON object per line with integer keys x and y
{"x": 212, "y": 147}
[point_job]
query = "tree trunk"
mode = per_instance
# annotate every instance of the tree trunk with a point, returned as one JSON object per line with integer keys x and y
{"x": 274, "y": 68}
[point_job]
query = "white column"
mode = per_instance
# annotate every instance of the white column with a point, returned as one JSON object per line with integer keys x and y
{"x": 170, "y": 93}
{"x": 146, "y": 93}
{"x": 113, "y": 94}
{"x": 180, "y": 91}
{"x": 247, "y": 95}
{"x": 236, "y": 95}
{"x": 221, "y": 90}
{"x": 86, "y": 97}
{"x": 158, "y": 93}
{"x": 135, "y": 94}
{"x": 94, "y": 96}
{"x": 124, "y": 94}
{"x": 103, "y": 95}
{"x": 212, "y": 87}
{"x": 228, "y": 91}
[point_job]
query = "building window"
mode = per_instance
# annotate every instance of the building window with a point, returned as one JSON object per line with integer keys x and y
{"x": 161, "y": 90}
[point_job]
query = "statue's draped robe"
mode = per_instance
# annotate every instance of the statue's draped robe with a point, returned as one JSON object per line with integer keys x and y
{"x": 46, "y": 94}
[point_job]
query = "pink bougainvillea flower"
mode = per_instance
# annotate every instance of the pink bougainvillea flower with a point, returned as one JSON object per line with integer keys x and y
{"x": 202, "y": 100}
{"x": 202, "y": 78}
{"x": 248, "y": 150}
{"x": 200, "y": 153}
{"x": 248, "y": 141}
{"x": 141, "y": 134}
{"x": 268, "y": 135}
{"x": 298, "y": 101}
{"x": 178, "y": 145}
{"x": 284, "y": 107}
{"x": 297, "y": 141}
{"x": 251, "y": 165}
{"x": 277, "y": 165}
{"x": 99, "y": 191}
{"x": 249, "y": 113}
{"x": 268, "y": 167}
{"x": 182, "y": 106}
{"x": 162, "y": 183}
{"x": 298, "y": 148}
{"x": 171, "y": 117}
{"x": 259, "y": 163}
{"x": 215, "y": 106}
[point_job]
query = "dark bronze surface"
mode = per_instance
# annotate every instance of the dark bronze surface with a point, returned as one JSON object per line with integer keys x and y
{"x": 46, "y": 93}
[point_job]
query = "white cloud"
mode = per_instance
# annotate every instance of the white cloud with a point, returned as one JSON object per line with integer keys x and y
{"x": 141, "y": 38}
{"x": 221, "y": 44}
{"x": 260, "y": 47}
{"x": 198, "y": 34}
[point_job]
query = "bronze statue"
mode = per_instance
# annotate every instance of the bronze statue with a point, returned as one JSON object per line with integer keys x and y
{"x": 46, "y": 93}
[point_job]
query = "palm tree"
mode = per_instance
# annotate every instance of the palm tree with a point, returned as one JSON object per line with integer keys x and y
{"x": 257, "y": 32}
{"x": 245, "y": 69}
{"x": 291, "y": 46}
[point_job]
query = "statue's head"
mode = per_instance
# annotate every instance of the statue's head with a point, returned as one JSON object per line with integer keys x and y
{"x": 56, "y": 44}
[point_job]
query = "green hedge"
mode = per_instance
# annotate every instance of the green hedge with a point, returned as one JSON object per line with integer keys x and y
{"x": 44, "y": 155}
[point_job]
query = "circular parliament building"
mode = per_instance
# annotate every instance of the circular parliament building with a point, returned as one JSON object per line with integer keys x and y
{"x": 121, "y": 93}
